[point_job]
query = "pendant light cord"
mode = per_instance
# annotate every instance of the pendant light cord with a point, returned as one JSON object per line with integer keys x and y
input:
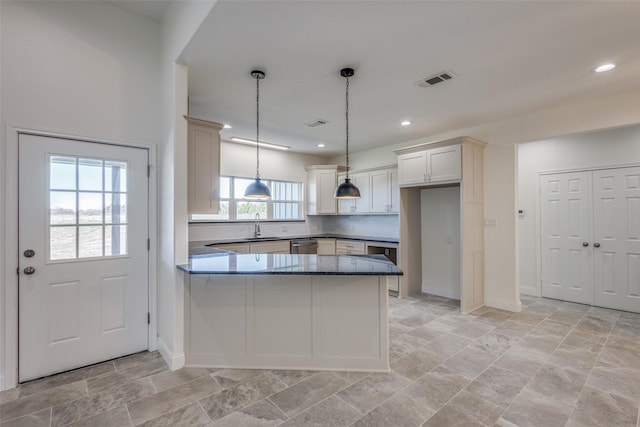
{"x": 257, "y": 127}
{"x": 347, "y": 121}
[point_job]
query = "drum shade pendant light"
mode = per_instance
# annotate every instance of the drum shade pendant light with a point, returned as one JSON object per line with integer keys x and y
{"x": 257, "y": 189}
{"x": 347, "y": 190}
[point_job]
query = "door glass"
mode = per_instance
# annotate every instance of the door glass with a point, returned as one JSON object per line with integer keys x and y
{"x": 87, "y": 208}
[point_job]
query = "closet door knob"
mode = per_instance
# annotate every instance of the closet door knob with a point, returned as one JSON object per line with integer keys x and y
{"x": 596, "y": 245}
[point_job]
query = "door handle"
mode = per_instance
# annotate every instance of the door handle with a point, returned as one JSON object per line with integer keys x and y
{"x": 596, "y": 245}
{"x": 29, "y": 270}
{"x": 585, "y": 244}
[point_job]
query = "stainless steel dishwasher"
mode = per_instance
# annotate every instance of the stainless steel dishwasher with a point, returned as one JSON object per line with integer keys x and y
{"x": 304, "y": 246}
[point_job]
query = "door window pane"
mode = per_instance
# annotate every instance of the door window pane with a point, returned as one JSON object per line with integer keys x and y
{"x": 115, "y": 176}
{"x": 90, "y": 174}
{"x": 116, "y": 208}
{"x": 62, "y": 242}
{"x": 115, "y": 240}
{"x": 62, "y": 207}
{"x": 62, "y": 173}
{"x": 89, "y": 241}
{"x": 89, "y": 208}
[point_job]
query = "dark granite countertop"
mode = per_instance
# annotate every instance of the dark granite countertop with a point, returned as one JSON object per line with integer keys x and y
{"x": 204, "y": 246}
{"x": 290, "y": 264}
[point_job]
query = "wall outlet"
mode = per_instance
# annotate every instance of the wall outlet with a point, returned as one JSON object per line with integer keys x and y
{"x": 490, "y": 223}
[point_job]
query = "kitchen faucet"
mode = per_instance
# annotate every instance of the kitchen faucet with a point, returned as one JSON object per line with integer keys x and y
{"x": 256, "y": 226}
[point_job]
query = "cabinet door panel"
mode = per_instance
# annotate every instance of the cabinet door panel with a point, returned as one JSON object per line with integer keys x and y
{"x": 380, "y": 191}
{"x": 444, "y": 164}
{"x": 412, "y": 168}
{"x": 361, "y": 180}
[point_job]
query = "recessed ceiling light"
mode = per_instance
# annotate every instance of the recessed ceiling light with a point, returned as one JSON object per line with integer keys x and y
{"x": 321, "y": 145}
{"x": 605, "y": 67}
{"x": 405, "y": 123}
{"x": 262, "y": 144}
{"x": 227, "y": 127}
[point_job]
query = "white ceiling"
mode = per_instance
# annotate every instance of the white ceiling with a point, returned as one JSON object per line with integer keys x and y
{"x": 510, "y": 57}
{"x": 150, "y": 9}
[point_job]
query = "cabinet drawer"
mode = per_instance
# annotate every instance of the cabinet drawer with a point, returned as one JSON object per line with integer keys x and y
{"x": 349, "y": 247}
{"x": 239, "y": 248}
{"x": 274, "y": 247}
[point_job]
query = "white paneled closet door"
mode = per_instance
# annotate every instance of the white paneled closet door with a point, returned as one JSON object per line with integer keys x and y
{"x": 590, "y": 237}
{"x": 616, "y": 251}
{"x": 565, "y": 229}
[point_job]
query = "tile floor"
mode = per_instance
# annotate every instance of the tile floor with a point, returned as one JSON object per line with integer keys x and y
{"x": 553, "y": 364}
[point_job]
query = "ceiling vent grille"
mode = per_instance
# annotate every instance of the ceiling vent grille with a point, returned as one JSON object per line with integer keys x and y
{"x": 436, "y": 78}
{"x": 316, "y": 123}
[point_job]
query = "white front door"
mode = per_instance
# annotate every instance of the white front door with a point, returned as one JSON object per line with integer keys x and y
{"x": 83, "y": 230}
{"x": 617, "y": 238}
{"x": 566, "y": 228}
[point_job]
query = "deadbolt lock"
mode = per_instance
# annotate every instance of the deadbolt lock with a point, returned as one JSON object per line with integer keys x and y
{"x": 29, "y": 253}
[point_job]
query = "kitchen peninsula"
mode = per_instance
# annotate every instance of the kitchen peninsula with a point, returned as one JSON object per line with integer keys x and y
{"x": 287, "y": 311}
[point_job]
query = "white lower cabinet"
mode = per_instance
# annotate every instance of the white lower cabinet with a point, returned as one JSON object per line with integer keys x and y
{"x": 269, "y": 247}
{"x": 326, "y": 246}
{"x": 349, "y": 247}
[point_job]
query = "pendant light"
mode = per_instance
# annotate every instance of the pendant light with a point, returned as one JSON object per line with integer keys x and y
{"x": 257, "y": 189}
{"x": 347, "y": 190}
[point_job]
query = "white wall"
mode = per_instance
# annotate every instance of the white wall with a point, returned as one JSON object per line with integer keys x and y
{"x": 240, "y": 160}
{"x": 180, "y": 23}
{"x": 612, "y": 147}
{"x": 440, "y": 229}
{"x": 80, "y": 68}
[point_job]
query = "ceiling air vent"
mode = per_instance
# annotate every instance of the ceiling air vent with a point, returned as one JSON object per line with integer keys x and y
{"x": 316, "y": 123}
{"x": 437, "y": 78}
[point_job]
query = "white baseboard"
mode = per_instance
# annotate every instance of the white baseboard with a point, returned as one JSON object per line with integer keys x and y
{"x": 446, "y": 293}
{"x": 530, "y": 290}
{"x": 503, "y": 305}
{"x": 174, "y": 361}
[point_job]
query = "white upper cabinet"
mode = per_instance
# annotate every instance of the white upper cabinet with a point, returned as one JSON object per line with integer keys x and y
{"x": 322, "y": 181}
{"x": 384, "y": 191}
{"x": 412, "y": 168}
{"x": 379, "y": 191}
{"x": 435, "y": 165}
{"x": 356, "y": 206}
{"x": 203, "y": 169}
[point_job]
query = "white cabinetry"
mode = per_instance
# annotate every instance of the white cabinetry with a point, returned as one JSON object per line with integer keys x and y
{"x": 268, "y": 247}
{"x": 321, "y": 185}
{"x": 349, "y": 247}
{"x": 326, "y": 246}
{"x": 435, "y": 165}
{"x": 203, "y": 168}
{"x": 454, "y": 161}
{"x": 384, "y": 191}
{"x": 356, "y": 206}
{"x": 239, "y": 248}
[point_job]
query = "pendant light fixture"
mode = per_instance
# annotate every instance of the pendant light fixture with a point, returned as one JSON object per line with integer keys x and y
{"x": 257, "y": 189}
{"x": 347, "y": 190}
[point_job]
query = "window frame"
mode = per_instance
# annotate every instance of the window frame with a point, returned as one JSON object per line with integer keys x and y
{"x": 233, "y": 204}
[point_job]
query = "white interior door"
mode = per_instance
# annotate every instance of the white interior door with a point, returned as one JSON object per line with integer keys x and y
{"x": 565, "y": 226}
{"x": 83, "y": 230}
{"x": 617, "y": 238}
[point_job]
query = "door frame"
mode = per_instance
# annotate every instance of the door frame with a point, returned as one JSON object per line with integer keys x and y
{"x": 9, "y": 378}
{"x": 538, "y": 240}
